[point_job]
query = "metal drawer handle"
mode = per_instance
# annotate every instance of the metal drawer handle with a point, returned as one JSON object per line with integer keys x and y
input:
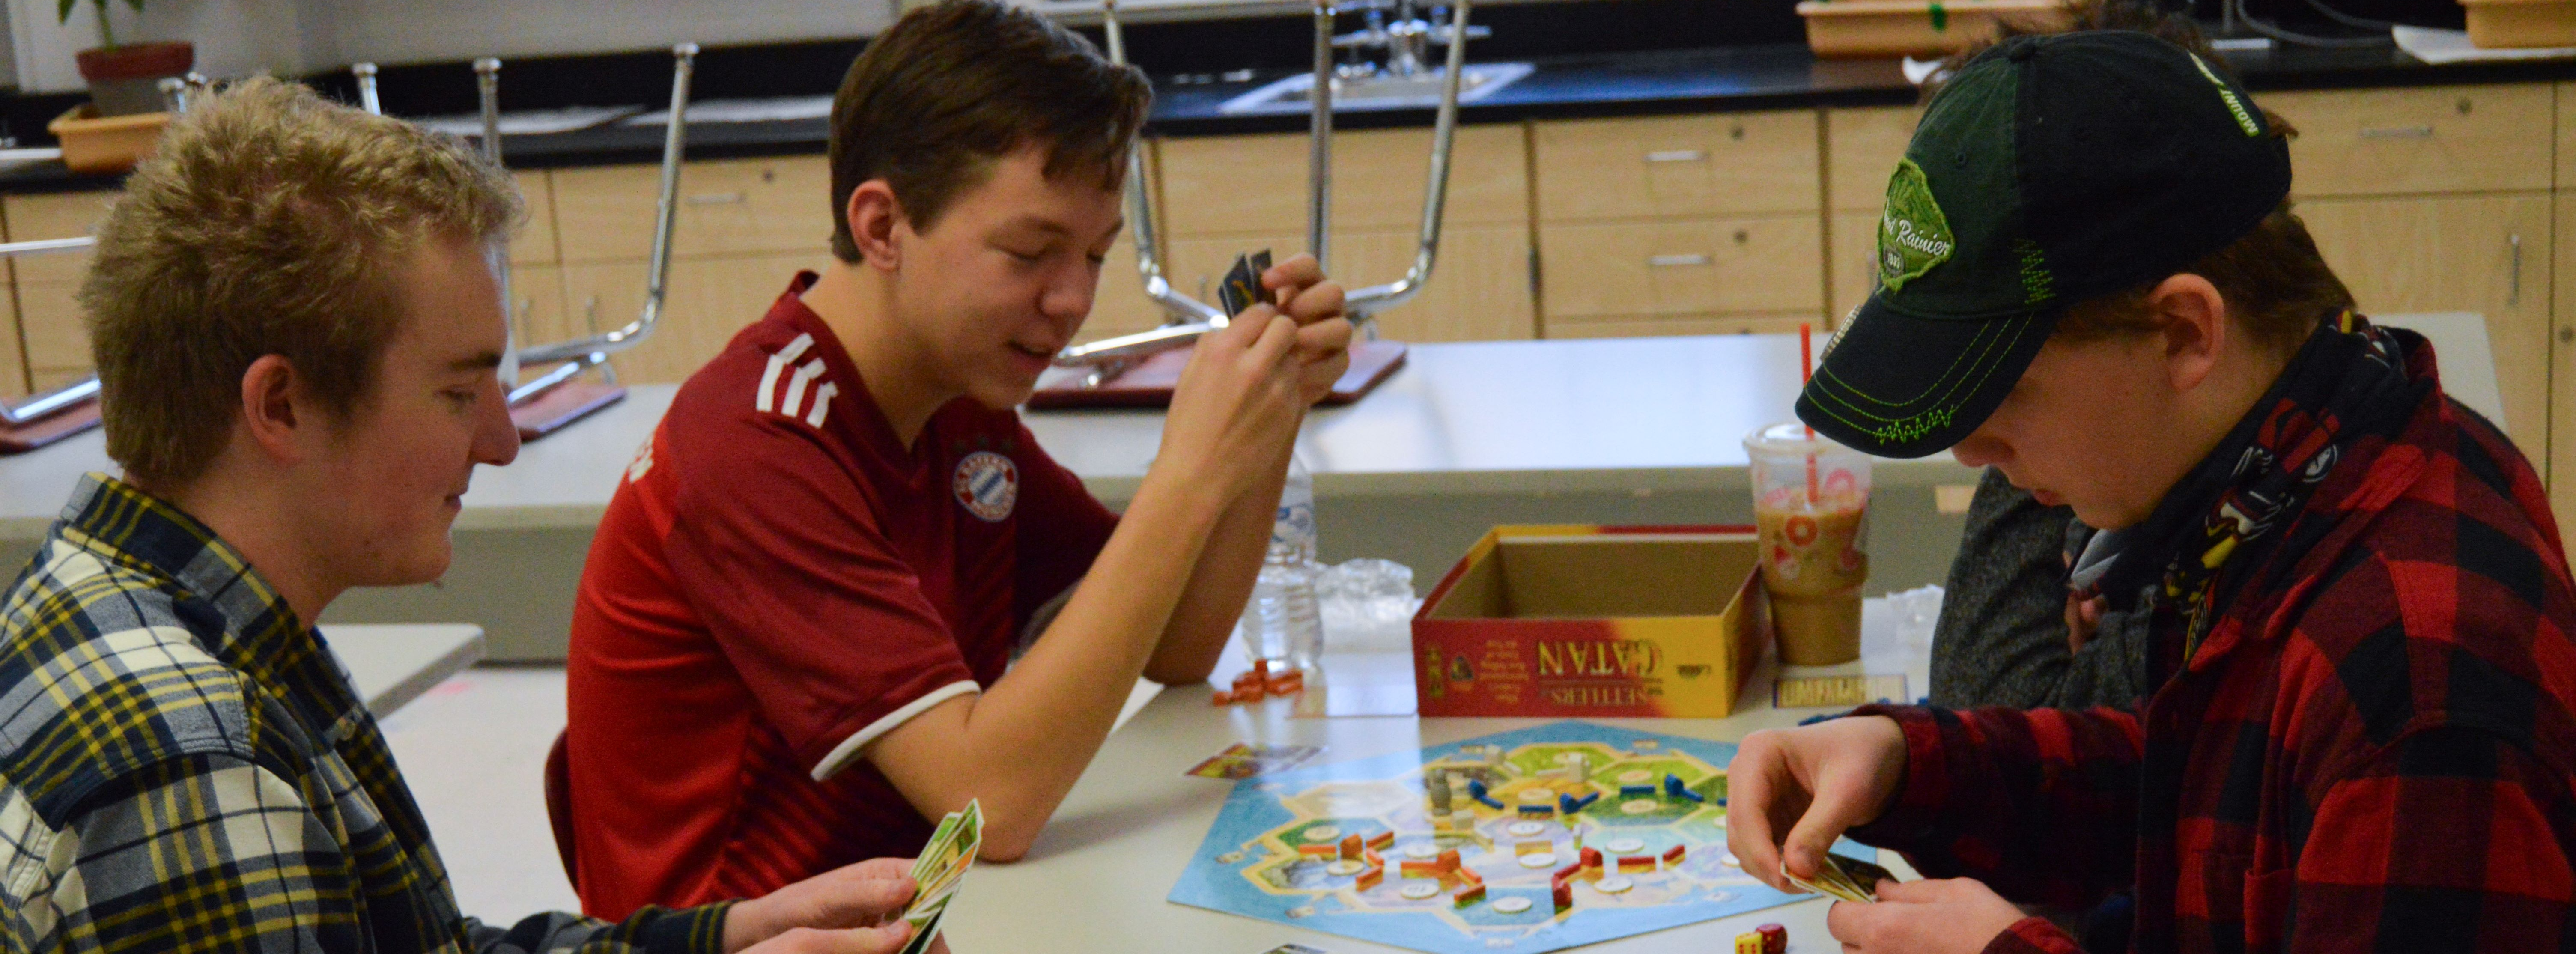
{"x": 1677, "y": 155}
{"x": 1675, "y": 261}
{"x": 718, "y": 198}
{"x": 2398, "y": 132}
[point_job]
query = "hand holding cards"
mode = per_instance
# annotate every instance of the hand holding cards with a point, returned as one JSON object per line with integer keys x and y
{"x": 1844, "y": 877}
{"x": 940, "y": 868}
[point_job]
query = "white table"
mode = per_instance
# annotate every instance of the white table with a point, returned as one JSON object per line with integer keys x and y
{"x": 1637, "y": 430}
{"x": 391, "y": 665}
{"x": 1097, "y": 877}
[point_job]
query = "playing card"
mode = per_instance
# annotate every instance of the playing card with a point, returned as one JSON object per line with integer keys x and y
{"x": 1241, "y": 761}
{"x": 1242, "y": 287}
{"x": 940, "y": 869}
{"x": 1862, "y": 875}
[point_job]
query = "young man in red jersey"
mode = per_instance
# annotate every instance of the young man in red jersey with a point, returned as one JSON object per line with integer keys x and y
{"x": 793, "y": 630}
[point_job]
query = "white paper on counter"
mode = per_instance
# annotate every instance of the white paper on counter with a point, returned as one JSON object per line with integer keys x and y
{"x": 2453, "y": 46}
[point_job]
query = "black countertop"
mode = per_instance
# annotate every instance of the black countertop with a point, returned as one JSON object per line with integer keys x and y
{"x": 1718, "y": 79}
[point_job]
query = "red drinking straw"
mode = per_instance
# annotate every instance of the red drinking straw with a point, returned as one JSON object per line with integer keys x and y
{"x": 1807, "y": 372}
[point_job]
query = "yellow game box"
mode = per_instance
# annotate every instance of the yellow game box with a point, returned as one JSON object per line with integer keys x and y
{"x": 1571, "y": 620}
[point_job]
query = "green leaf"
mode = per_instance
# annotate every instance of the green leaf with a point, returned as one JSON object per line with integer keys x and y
{"x": 63, "y": 10}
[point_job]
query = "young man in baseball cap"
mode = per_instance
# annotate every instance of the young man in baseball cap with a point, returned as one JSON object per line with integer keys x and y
{"x": 2361, "y": 732}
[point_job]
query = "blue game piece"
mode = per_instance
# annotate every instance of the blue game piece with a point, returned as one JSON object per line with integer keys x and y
{"x": 1587, "y": 801}
{"x": 1476, "y": 789}
{"x": 1672, "y": 784}
{"x": 1488, "y": 802}
{"x": 1567, "y": 806}
{"x": 1537, "y": 811}
{"x": 1631, "y": 791}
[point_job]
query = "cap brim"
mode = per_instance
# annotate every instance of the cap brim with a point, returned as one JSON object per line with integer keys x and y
{"x": 1895, "y": 385}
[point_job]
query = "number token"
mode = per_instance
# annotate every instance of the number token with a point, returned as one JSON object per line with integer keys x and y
{"x": 1323, "y": 833}
{"x": 1539, "y": 859}
{"x": 1525, "y": 828}
{"x": 1420, "y": 890}
{"x": 1421, "y": 849}
{"x": 1511, "y": 905}
{"x": 1613, "y": 884}
{"x": 1626, "y": 846}
{"x": 1642, "y": 806}
{"x": 1344, "y": 867}
{"x": 1732, "y": 861}
{"x": 1537, "y": 796}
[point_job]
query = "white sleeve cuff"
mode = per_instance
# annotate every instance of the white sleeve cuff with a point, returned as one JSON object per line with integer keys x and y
{"x": 848, "y": 751}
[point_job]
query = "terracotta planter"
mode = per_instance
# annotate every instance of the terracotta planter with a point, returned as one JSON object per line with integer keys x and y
{"x": 125, "y": 80}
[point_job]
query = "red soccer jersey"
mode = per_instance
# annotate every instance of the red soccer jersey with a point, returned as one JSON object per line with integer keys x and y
{"x": 778, "y": 581}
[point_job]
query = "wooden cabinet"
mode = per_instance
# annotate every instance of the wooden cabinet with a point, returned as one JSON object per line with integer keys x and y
{"x": 1227, "y": 195}
{"x": 534, "y": 243}
{"x": 2423, "y": 140}
{"x": 727, "y": 207}
{"x": 1691, "y": 225}
{"x": 55, "y": 345}
{"x": 2559, "y": 467}
{"x": 708, "y": 300}
{"x": 2487, "y": 254}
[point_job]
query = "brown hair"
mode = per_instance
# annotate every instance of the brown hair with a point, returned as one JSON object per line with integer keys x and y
{"x": 263, "y": 224}
{"x": 2276, "y": 286}
{"x": 951, "y": 87}
{"x": 2273, "y": 280}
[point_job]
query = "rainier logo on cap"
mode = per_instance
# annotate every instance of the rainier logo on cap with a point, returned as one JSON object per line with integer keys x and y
{"x": 1913, "y": 236}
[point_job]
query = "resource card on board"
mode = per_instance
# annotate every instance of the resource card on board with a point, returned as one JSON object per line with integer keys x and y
{"x": 941, "y": 867}
{"x": 1241, "y": 761}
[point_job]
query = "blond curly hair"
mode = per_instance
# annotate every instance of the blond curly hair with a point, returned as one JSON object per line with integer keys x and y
{"x": 268, "y": 221}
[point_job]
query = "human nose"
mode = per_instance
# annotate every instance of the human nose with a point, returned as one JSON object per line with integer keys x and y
{"x": 496, "y": 436}
{"x": 1981, "y": 449}
{"x": 1067, "y": 299}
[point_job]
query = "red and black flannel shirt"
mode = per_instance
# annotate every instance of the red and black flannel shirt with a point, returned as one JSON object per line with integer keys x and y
{"x": 2373, "y": 748}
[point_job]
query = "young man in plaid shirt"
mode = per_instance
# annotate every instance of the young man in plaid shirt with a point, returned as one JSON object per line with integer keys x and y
{"x": 2362, "y": 727}
{"x": 296, "y": 326}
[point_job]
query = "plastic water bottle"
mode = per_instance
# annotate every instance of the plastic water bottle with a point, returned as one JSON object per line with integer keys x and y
{"x": 1284, "y": 624}
{"x": 1295, "y": 525}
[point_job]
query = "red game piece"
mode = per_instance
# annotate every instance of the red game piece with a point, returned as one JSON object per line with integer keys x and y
{"x": 1775, "y": 939}
{"x": 1449, "y": 860}
{"x": 1369, "y": 878}
{"x": 1673, "y": 857}
{"x": 1592, "y": 858}
{"x": 1469, "y": 895}
{"x": 1564, "y": 894}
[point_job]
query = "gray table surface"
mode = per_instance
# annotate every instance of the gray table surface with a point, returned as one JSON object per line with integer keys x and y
{"x": 1626, "y": 415}
{"x": 392, "y": 664}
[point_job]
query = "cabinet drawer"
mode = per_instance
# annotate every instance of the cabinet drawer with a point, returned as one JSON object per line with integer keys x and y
{"x": 49, "y": 319}
{"x": 1861, "y": 150}
{"x": 2457, "y": 253}
{"x": 1657, "y": 326}
{"x": 1227, "y": 185}
{"x": 1693, "y": 165}
{"x": 1683, "y": 267}
{"x": 2561, "y": 463}
{"x": 728, "y": 207}
{"x": 2434, "y": 139}
{"x": 59, "y": 215}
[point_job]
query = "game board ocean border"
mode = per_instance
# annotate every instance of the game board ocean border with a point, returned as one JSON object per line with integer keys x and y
{"x": 1249, "y": 864}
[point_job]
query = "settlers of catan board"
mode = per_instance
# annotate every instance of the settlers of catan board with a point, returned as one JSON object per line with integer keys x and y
{"x": 1537, "y": 840}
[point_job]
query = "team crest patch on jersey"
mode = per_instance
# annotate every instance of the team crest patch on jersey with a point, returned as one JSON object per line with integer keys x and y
{"x": 987, "y": 485}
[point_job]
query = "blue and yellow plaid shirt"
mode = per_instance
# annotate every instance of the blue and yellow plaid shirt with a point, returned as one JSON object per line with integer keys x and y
{"x": 183, "y": 766}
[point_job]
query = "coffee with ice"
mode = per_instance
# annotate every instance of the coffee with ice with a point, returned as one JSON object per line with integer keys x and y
{"x": 1811, "y": 505}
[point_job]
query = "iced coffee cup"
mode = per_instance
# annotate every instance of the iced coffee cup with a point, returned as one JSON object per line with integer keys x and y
{"x": 1811, "y": 503}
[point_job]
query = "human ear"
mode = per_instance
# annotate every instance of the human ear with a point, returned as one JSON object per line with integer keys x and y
{"x": 2192, "y": 319}
{"x": 875, "y": 214}
{"x": 271, "y": 418}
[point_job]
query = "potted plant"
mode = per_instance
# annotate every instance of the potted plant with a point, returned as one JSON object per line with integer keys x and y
{"x": 125, "y": 78}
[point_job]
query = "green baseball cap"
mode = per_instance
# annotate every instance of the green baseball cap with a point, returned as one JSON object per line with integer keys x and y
{"x": 2049, "y": 170}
